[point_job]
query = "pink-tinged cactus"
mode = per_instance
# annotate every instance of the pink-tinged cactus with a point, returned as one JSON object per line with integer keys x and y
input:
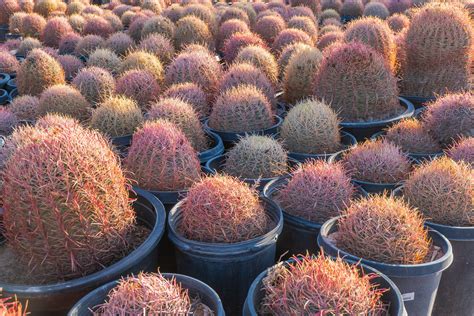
{"x": 269, "y": 27}
{"x": 15, "y": 22}
{"x": 399, "y": 6}
{"x": 222, "y": 209}
{"x": 54, "y": 30}
{"x": 462, "y": 150}
{"x": 139, "y": 85}
{"x": 376, "y": 9}
{"x": 329, "y": 14}
{"x": 330, "y": 38}
{"x": 8, "y": 63}
{"x": 140, "y": 60}
{"x": 288, "y": 37}
{"x": 97, "y": 25}
{"x": 68, "y": 43}
{"x": 65, "y": 100}
{"x": 306, "y": 25}
{"x": 87, "y": 45}
{"x": 136, "y": 27}
{"x": 192, "y": 30}
{"x": 314, "y": 5}
{"x": 95, "y": 84}
{"x": 120, "y": 43}
{"x": 33, "y": 25}
{"x": 7, "y": 9}
{"x": 159, "y": 46}
{"x": 106, "y": 59}
{"x": 352, "y": 8}
{"x": 158, "y": 25}
{"x": 398, "y": 22}
{"x": 238, "y": 41}
{"x": 204, "y": 13}
{"x": 192, "y": 94}
{"x": 412, "y": 137}
{"x": 286, "y": 54}
{"x": 25, "y": 107}
{"x": 261, "y": 58}
{"x": 27, "y": 45}
{"x": 70, "y": 64}
{"x": 8, "y": 121}
{"x": 173, "y": 12}
{"x": 331, "y": 4}
{"x": 301, "y": 11}
{"x": 229, "y": 28}
{"x": 161, "y": 158}
{"x": 235, "y": 13}
{"x": 11, "y": 306}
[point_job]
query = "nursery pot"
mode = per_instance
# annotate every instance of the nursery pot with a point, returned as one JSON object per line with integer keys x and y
{"x": 227, "y": 268}
{"x": 417, "y": 157}
{"x": 363, "y": 130}
{"x": 4, "y": 97}
{"x": 57, "y": 299}
{"x": 418, "y": 102}
{"x": 231, "y": 137}
{"x": 216, "y": 164}
{"x": 4, "y": 78}
{"x": 3, "y": 32}
{"x": 392, "y": 298}
{"x": 347, "y": 139}
{"x": 10, "y": 85}
{"x": 13, "y": 94}
{"x": 216, "y": 148}
{"x": 195, "y": 288}
{"x": 418, "y": 283}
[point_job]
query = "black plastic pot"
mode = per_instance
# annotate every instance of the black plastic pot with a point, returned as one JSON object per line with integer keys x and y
{"x": 216, "y": 164}
{"x": 347, "y": 139}
{"x": 418, "y": 102}
{"x": 57, "y": 299}
{"x": 4, "y": 78}
{"x": 418, "y": 283}
{"x": 3, "y": 32}
{"x": 195, "y": 288}
{"x": 229, "y": 137}
{"x": 216, "y": 148}
{"x": 10, "y": 85}
{"x": 392, "y": 298}
{"x": 122, "y": 143}
{"x": 363, "y": 130}
{"x": 227, "y": 268}
{"x": 419, "y": 157}
{"x": 4, "y": 97}
{"x": 13, "y": 94}
{"x": 299, "y": 235}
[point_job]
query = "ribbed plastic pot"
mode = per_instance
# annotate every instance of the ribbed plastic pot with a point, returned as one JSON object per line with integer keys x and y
{"x": 392, "y": 298}
{"x": 4, "y": 78}
{"x": 418, "y": 157}
{"x": 4, "y": 97}
{"x": 418, "y": 283}
{"x": 364, "y": 130}
{"x": 3, "y": 32}
{"x": 13, "y": 94}
{"x": 195, "y": 289}
{"x": 10, "y": 85}
{"x": 299, "y": 235}
{"x": 418, "y": 102}
{"x": 57, "y": 299}
{"x": 348, "y": 141}
{"x": 216, "y": 164}
{"x": 229, "y": 137}
{"x": 347, "y": 18}
{"x": 227, "y": 268}
{"x": 216, "y": 148}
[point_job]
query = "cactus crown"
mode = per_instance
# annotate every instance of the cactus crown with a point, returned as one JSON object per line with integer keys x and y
{"x": 316, "y": 192}
{"x": 87, "y": 45}
{"x": 117, "y": 116}
{"x": 237, "y": 42}
{"x": 158, "y": 25}
{"x": 305, "y": 24}
{"x": 261, "y": 58}
{"x": 222, "y": 209}
{"x": 181, "y": 114}
{"x": 161, "y": 158}
{"x": 192, "y": 30}
{"x": 462, "y": 150}
{"x": 268, "y": 27}
{"x": 141, "y": 60}
{"x": 311, "y": 127}
{"x": 377, "y": 162}
{"x": 70, "y": 64}
{"x": 443, "y": 191}
{"x": 66, "y": 100}
{"x": 330, "y": 38}
{"x": 383, "y": 229}
{"x": 411, "y": 136}
{"x": 320, "y": 285}
{"x": 241, "y": 109}
{"x": 256, "y": 157}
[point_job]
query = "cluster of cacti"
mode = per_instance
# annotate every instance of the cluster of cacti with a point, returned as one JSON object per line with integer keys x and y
{"x": 66, "y": 100}
{"x": 288, "y": 37}
{"x": 260, "y": 58}
{"x": 159, "y": 46}
{"x": 299, "y": 74}
{"x": 241, "y": 109}
{"x": 268, "y": 27}
{"x": 286, "y": 54}
{"x": 227, "y": 29}
{"x": 256, "y": 157}
{"x": 383, "y": 229}
{"x": 438, "y": 32}
{"x": 136, "y": 27}
{"x": 78, "y": 191}
{"x": 183, "y": 115}
{"x": 8, "y": 63}
{"x": 161, "y": 158}
{"x": 139, "y": 85}
{"x": 117, "y": 116}
{"x": 376, "y": 9}
{"x": 222, "y": 209}
{"x": 311, "y": 127}
{"x": 357, "y": 95}
{"x": 204, "y": 13}
{"x": 442, "y": 190}
{"x": 377, "y": 162}
{"x": 316, "y": 192}
{"x": 191, "y": 93}
{"x": 462, "y": 150}
{"x": 450, "y": 117}
{"x": 320, "y": 285}
{"x": 95, "y": 84}
{"x": 148, "y": 293}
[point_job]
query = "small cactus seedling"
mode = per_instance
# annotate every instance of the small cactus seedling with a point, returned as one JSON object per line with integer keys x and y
{"x": 241, "y": 109}
{"x": 311, "y": 127}
{"x": 268, "y": 27}
{"x": 158, "y": 25}
{"x": 117, "y": 116}
{"x": 54, "y": 29}
{"x": 288, "y": 37}
{"x": 181, "y": 114}
{"x": 442, "y": 190}
{"x": 161, "y": 158}
{"x": 376, "y": 9}
{"x": 66, "y": 100}
{"x": 299, "y": 74}
{"x": 238, "y": 41}
{"x": 462, "y": 150}
{"x": 316, "y": 192}
{"x": 377, "y": 162}
{"x": 8, "y": 63}
{"x": 95, "y": 84}
{"x": 120, "y": 43}
{"x": 398, "y": 22}
{"x": 87, "y": 45}
{"x": 159, "y": 46}
{"x": 139, "y": 85}
{"x": 191, "y": 93}
{"x": 106, "y": 59}
{"x": 70, "y": 64}
{"x": 357, "y": 82}
{"x": 256, "y": 157}
{"x": 352, "y": 8}
{"x": 140, "y": 60}
{"x": 38, "y": 72}
{"x": 450, "y": 117}
{"x": 412, "y": 137}
{"x": 25, "y": 107}
{"x": 383, "y": 229}
{"x": 320, "y": 285}
{"x": 8, "y": 121}
{"x": 146, "y": 293}
{"x": 222, "y": 209}
{"x": 192, "y": 30}
{"x": 260, "y": 58}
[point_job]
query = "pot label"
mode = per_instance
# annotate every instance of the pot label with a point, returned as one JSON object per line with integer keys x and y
{"x": 408, "y": 296}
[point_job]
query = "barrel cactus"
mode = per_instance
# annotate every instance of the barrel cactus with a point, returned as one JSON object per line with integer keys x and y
{"x": 138, "y": 85}
{"x": 358, "y": 83}
{"x": 77, "y": 22}
{"x": 261, "y": 58}
{"x": 398, "y": 22}
{"x": 304, "y": 24}
{"x": 288, "y": 37}
{"x": 32, "y": 25}
{"x": 117, "y": 116}
{"x": 68, "y": 42}
{"x": 159, "y": 46}
{"x": 330, "y": 38}
{"x": 66, "y": 100}
{"x": 331, "y": 4}
{"x": 191, "y": 93}
{"x": 191, "y": 30}
{"x": 140, "y": 60}
{"x": 238, "y": 41}
{"x": 161, "y": 158}
{"x": 95, "y": 84}
{"x": 120, "y": 43}
{"x": 311, "y": 127}
{"x": 25, "y": 107}
{"x": 462, "y": 150}
{"x": 158, "y": 25}
{"x": 221, "y": 209}
{"x": 234, "y": 13}
{"x": 329, "y": 14}
{"x": 8, "y": 121}
{"x": 442, "y": 190}
{"x": 87, "y": 45}
{"x": 316, "y": 192}
{"x": 287, "y": 53}
{"x": 27, "y": 45}
{"x": 106, "y": 59}
{"x": 412, "y": 137}
{"x": 70, "y": 64}
{"x": 256, "y": 157}
{"x": 376, "y": 9}
{"x": 383, "y": 229}
{"x": 181, "y": 114}
{"x": 79, "y": 191}
{"x": 38, "y": 72}
{"x": 241, "y": 109}
{"x": 352, "y": 9}
{"x": 8, "y": 63}
{"x": 268, "y": 27}
{"x": 54, "y": 29}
